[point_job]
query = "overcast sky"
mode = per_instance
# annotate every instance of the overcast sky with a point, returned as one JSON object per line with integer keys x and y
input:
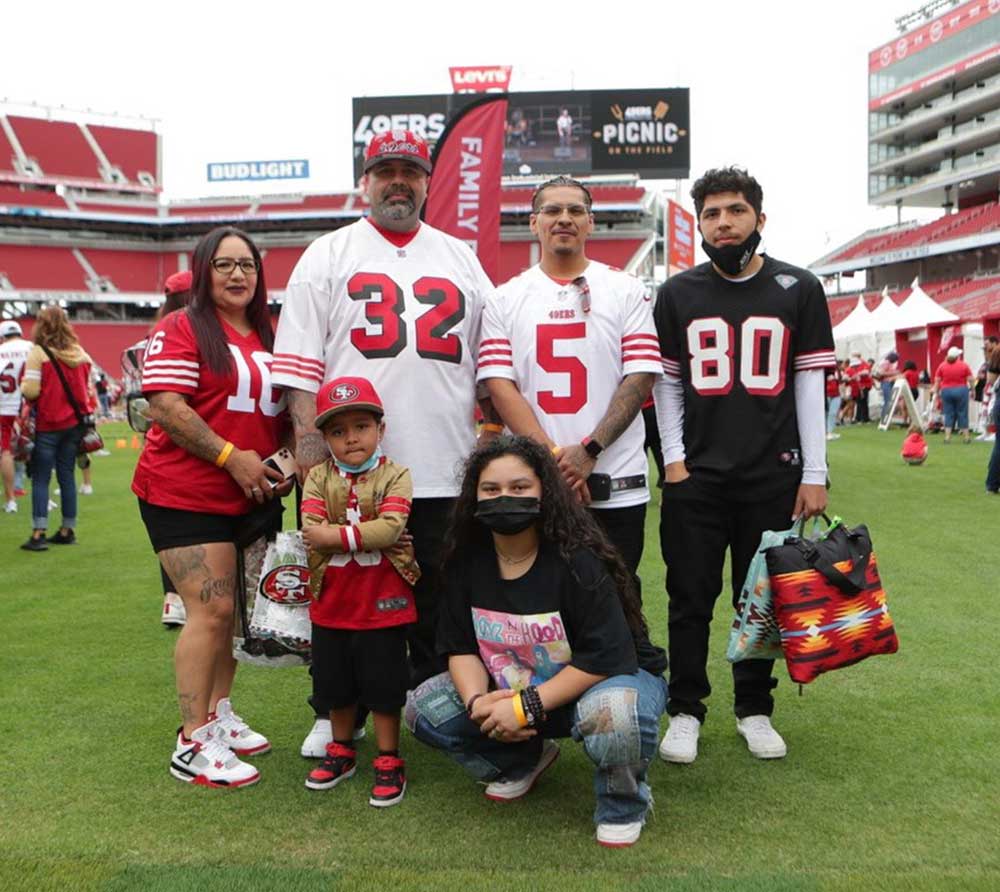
{"x": 780, "y": 87}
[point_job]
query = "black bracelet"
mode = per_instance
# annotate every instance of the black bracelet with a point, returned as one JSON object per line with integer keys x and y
{"x": 471, "y": 703}
{"x": 531, "y": 701}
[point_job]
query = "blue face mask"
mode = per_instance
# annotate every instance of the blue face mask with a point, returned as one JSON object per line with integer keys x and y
{"x": 364, "y": 466}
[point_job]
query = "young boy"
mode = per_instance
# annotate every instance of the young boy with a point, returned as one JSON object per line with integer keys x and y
{"x": 354, "y": 508}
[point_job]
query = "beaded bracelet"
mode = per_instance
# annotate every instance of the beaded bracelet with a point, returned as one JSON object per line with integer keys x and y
{"x": 533, "y": 709}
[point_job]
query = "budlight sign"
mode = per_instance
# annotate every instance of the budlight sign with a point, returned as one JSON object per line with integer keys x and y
{"x": 229, "y": 171}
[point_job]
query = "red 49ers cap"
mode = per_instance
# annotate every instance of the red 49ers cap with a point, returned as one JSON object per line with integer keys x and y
{"x": 404, "y": 145}
{"x": 344, "y": 394}
{"x": 178, "y": 282}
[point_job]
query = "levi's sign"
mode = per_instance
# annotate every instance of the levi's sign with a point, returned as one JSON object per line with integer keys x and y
{"x": 483, "y": 79}
{"x": 258, "y": 170}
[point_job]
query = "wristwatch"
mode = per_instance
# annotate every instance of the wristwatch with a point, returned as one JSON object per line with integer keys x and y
{"x": 591, "y": 447}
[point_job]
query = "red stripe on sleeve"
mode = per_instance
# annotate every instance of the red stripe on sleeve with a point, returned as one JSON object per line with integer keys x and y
{"x": 316, "y": 507}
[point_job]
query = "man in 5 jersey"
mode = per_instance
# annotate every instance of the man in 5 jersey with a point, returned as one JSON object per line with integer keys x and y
{"x": 569, "y": 354}
{"x": 745, "y": 340}
{"x": 398, "y": 302}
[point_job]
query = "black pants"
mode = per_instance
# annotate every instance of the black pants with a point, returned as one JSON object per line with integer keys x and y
{"x": 626, "y": 528}
{"x": 428, "y": 524}
{"x": 697, "y": 524}
{"x": 863, "y": 416}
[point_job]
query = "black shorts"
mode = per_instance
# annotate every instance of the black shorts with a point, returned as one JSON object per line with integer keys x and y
{"x": 366, "y": 666}
{"x": 174, "y": 528}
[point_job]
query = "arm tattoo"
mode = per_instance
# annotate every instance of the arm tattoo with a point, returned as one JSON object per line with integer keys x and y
{"x": 490, "y": 414}
{"x": 310, "y": 447}
{"x": 624, "y": 406}
{"x": 185, "y": 426}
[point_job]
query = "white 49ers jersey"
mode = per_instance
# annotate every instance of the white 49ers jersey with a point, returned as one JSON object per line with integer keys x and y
{"x": 13, "y": 353}
{"x": 568, "y": 347}
{"x": 407, "y": 318}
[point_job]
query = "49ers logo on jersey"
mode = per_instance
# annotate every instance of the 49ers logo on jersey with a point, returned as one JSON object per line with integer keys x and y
{"x": 286, "y": 584}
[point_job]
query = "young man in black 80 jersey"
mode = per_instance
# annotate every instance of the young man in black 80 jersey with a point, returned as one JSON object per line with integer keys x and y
{"x": 745, "y": 340}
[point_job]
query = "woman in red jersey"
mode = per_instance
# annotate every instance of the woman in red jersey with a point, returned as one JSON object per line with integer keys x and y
{"x": 200, "y": 481}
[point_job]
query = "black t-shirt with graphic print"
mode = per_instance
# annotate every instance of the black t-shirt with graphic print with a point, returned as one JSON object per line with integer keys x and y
{"x": 526, "y": 629}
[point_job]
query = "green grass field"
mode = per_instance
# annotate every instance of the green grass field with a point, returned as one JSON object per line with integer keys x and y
{"x": 890, "y": 781}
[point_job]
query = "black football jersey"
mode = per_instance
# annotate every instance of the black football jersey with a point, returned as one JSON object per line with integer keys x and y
{"x": 736, "y": 346}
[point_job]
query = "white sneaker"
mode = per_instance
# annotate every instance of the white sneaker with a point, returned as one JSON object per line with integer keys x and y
{"x": 833, "y": 436}
{"x": 680, "y": 743}
{"x": 508, "y": 791}
{"x": 86, "y": 490}
{"x": 321, "y": 734}
{"x": 618, "y": 836}
{"x": 205, "y": 760}
{"x": 11, "y": 507}
{"x": 762, "y": 740}
{"x": 102, "y": 452}
{"x": 237, "y": 734}
{"x": 174, "y": 613}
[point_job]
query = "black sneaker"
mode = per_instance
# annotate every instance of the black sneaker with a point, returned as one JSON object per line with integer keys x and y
{"x": 36, "y": 544}
{"x": 61, "y": 538}
{"x": 390, "y": 781}
{"x": 339, "y": 763}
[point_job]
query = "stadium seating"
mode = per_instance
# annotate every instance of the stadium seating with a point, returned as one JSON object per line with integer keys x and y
{"x": 131, "y": 151}
{"x": 131, "y": 271}
{"x": 59, "y": 147}
{"x": 278, "y": 266}
{"x": 37, "y": 267}
{"x": 15, "y": 196}
{"x": 7, "y": 153}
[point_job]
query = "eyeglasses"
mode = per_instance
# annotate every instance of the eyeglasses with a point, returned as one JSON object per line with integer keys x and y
{"x": 226, "y": 265}
{"x": 555, "y": 210}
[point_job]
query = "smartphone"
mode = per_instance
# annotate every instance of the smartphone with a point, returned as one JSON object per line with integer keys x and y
{"x": 283, "y": 462}
{"x": 600, "y": 487}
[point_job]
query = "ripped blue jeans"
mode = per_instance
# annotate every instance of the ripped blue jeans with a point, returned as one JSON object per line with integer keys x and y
{"x": 617, "y": 721}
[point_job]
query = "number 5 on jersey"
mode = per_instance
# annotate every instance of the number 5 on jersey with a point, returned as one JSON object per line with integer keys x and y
{"x": 763, "y": 355}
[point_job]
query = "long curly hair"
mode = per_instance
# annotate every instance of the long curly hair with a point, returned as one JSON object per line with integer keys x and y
{"x": 564, "y": 522}
{"x": 53, "y": 329}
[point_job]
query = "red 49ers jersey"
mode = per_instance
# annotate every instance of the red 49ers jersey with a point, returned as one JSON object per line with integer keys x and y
{"x": 736, "y": 346}
{"x": 240, "y": 406}
{"x": 567, "y": 348}
{"x": 13, "y": 354}
{"x": 407, "y": 318}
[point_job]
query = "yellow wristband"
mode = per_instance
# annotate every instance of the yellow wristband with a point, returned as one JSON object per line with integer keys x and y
{"x": 522, "y": 719}
{"x": 493, "y": 428}
{"x": 224, "y": 454}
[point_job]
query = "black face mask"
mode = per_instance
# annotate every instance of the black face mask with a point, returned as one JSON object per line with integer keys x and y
{"x": 508, "y": 514}
{"x": 733, "y": 259}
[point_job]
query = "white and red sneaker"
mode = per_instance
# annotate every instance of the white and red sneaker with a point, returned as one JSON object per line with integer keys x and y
{"x": 206, "y": 761}
{"x": 174, "y": 614}
{"x": 237, "y": 734}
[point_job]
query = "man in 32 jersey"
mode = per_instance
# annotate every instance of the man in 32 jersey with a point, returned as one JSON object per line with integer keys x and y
{"x": 14, "y": 350}
{"x": 745, "y": 341}
{"x": 398, "y": 302}
{"x": 569, "y": 354}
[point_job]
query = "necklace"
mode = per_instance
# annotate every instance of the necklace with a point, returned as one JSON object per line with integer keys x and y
{"x": 507, "y": 559}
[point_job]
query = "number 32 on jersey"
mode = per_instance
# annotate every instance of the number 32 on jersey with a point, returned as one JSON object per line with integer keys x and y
{"x": 759, "y": 364}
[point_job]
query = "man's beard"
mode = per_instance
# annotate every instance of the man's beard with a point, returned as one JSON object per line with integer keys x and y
{"x": 397, "y": 210}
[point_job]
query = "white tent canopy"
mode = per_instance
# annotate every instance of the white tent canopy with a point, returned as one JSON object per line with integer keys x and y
{"x": 886, "y": 316}
{"x": 920, "y": 309}
{"x": 855, "y": 322}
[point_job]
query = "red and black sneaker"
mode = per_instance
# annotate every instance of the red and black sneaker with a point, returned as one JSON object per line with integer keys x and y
{"x": 339, "y": 763}
{"x": 390, "y": 781}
